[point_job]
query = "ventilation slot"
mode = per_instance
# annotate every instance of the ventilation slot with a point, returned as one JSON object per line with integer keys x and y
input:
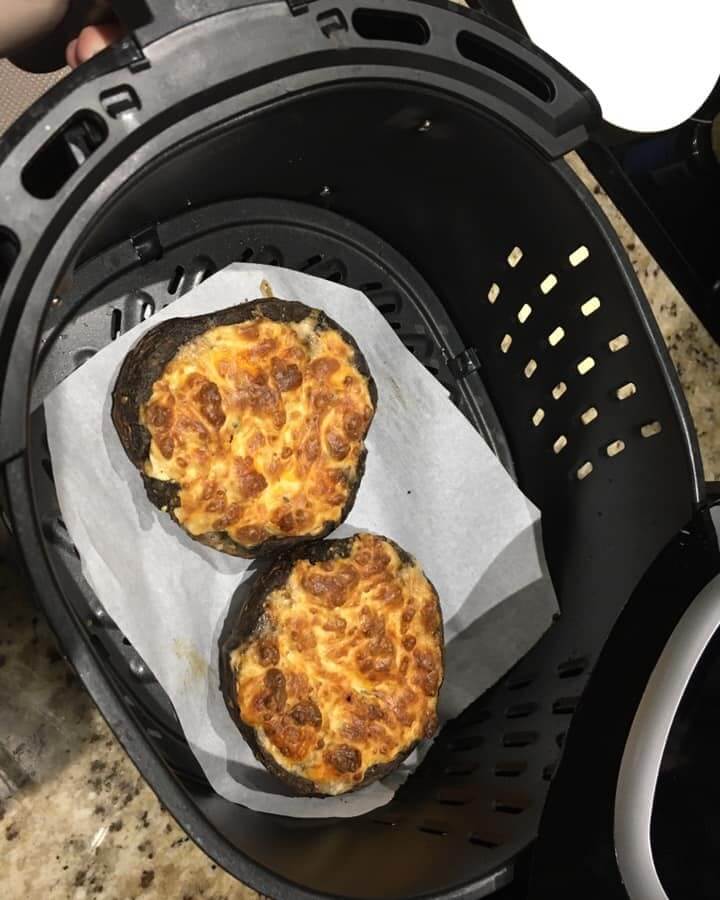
{"x": 530, "y": 368}
{"x": 452, "y": 797}
{"x": 520, "y": 683}
{"x": 626, "y": 391}
{"x": 494, "y": 292}
{"x": 463, "y": 744}
{"x": 387, "y": 25}
{"x": 548, "y": 283}
{"x": 585, "y": 365}
{"x": 538, "y": 416}
{"x": 433, "y": 828}
{"x": 560, "y": 444}
{"x": 590, "y": 306}
{"x": 578, "y": 256}
{"x": 9, "y": 249}
{"x": 524, "y": 313}
{"x": 651, "y": 429}
{"x": 618, "y": 343}
{"x": 481, "y": 840}
{"x": 510, "y": 809}
{"x": 56, "y": 532}
{"x": 565, "y": 706}
{"x": 584, "y": 470}
{"x": 510, "y": 769}
{"x": 175, "y": 280}
{"x": 387, "y": 308}
{"x": 514, "y": 257}
{"x": 202, "y": 267}
{"x": 119, "y": 100}
{"x": 115, "y": 324}
{"x": 571, "y": 668}
{"x": 506, "y": 343}
{"x": 460, "y": 771}
{"x": 47, "y": 468}
{"x": 490, "y": 56}
{"x": 559, "y": 389}
{"x": 331, "y": 269}
{"x": 59, "y": 159}
{"x": 519, "y": 738}
{"x": 475, "y": 717}
{"x": 556, "y": 336}
{"x": 82, "y": 356}
{"x": 614, "y": 448}
{"x": 520, "y": 710}
{"x": 309, "y": 263}
{"x": 589, "y": 415}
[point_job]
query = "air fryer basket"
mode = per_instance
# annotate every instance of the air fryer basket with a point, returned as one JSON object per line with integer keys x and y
{"x": 414, "y": 152}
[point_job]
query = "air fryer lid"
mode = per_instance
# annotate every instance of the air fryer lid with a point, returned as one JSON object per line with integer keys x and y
{"x": 400, "y": 125}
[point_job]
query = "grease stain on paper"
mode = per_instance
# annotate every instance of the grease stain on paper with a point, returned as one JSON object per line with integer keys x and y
{"x": 196, "y": 666}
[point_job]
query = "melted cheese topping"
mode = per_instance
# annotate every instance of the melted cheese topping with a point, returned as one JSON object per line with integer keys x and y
{"x": 345, "y": 671}
{"x": 262, "y": 426}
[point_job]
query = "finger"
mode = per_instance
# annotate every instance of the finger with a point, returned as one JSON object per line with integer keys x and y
{"x": 71, "y": 54}
{"x": 95, "y": 38}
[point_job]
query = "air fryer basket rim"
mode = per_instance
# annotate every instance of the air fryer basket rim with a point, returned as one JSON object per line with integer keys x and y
{"x": 18, "y": 476}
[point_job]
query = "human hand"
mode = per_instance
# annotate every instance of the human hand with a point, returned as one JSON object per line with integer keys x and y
{"x": 91, "y": 40}
{"x": 43, "y": 35}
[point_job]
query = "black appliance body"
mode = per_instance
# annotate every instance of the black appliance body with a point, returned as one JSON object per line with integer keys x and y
{"x": 414, "y": 151}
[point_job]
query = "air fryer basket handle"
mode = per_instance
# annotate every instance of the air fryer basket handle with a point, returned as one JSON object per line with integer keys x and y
{"x": 150, "y": 19}
{"x": 524, "y": 83}
{"x": 526, "y": 87}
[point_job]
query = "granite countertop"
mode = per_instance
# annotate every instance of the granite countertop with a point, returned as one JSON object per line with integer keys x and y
{"x": 76, "y": 819}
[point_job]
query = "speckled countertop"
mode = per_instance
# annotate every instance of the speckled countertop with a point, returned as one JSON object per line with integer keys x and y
{"x": 76, "y": 819}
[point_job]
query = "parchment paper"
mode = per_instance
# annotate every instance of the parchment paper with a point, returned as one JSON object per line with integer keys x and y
{"x": 431, "y": 484}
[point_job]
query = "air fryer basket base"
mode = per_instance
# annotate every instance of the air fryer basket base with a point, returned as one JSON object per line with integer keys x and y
{"x": 506, "y": 746}
{"x": 119, "y": 288}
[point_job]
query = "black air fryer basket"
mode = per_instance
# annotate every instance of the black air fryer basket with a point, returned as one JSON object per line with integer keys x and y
{"x": 413, "y": 151}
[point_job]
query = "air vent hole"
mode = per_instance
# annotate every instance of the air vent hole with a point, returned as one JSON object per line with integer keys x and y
{"x": 626, "y": 391}
{"x": 175, "y": 280}
{"x": 548, "y": 283}
{"x": 584, "y": 470}
{"x": 514, "y": 257}
{"x": 651, "y": 429}
{"x": 579, "y": 255}
{"x": 115, "y": 324}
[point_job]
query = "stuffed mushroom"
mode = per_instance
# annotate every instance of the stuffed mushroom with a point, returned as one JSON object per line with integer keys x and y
{"x": 333, "y": 666}
{"x": 248, "y": 425}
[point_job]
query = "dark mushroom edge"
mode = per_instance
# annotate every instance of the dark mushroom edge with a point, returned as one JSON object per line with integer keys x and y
{"x": 247, "y": 623}
{"x": 145, "y": 364}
